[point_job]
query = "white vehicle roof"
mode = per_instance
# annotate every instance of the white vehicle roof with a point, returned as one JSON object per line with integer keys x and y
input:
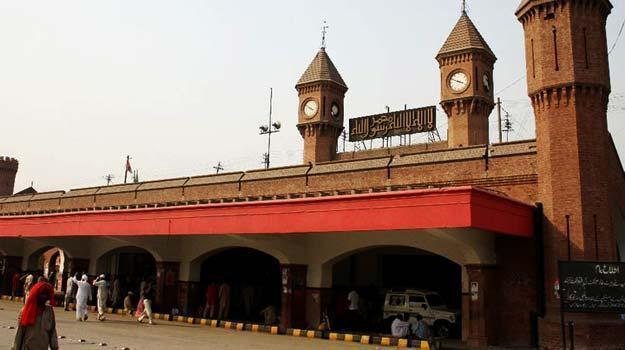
{"x": 411, "y": 291}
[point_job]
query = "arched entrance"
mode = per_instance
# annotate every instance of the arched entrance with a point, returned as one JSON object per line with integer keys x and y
{"x": 254, "y": 278}
{"x": 51, "y": 263}
{"x": 131, "y": 265}
{"x": 390, "y": 280}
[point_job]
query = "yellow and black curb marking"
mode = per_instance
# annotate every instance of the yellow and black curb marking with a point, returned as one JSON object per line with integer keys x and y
{"x": 250, "y": 327}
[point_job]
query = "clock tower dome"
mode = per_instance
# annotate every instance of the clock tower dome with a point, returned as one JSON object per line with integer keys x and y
{"x": 321, "y": 93}
{"x": 466, "y": 63}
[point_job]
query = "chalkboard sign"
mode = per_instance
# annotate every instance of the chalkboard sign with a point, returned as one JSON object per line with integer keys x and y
{"x": 592, "y": 287}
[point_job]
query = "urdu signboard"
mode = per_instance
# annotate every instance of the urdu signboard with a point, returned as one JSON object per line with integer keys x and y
{"x": 592, "y": 287}
{"x": 409, "y": 121}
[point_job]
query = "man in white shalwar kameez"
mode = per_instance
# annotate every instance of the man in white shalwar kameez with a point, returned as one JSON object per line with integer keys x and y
{"x": 82, "y": 297}
{"x": 103, "y": 295}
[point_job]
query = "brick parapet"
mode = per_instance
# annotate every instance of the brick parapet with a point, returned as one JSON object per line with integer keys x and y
{"x": 508, "y": 169}
{"x": 8, "y": 163}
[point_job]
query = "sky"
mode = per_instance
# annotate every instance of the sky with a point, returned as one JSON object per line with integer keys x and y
{"x": 182, "y": 85}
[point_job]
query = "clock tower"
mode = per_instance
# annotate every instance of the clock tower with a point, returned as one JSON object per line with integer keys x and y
{"x": 321, "y": 93}
{"x": 466, "y": 63}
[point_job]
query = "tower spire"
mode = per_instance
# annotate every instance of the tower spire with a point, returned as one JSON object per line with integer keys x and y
{"x": 464, "y": 6}
{"x": 324, "y": 31}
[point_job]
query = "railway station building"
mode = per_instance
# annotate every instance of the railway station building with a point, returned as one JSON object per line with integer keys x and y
{"x": 483, "y": 225}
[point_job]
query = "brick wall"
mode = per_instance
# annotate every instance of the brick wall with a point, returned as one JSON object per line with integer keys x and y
{"x": 509, "y": 170}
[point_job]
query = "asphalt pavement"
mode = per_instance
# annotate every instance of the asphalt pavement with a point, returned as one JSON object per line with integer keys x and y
{"x": 119, "y": 332}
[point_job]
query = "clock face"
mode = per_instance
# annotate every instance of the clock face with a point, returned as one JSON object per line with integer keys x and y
{"x": 458, "y": 82}
{"x": 335, "y": 110}
{"x": 486, "y": 81}
{"x": 311, "y": 108}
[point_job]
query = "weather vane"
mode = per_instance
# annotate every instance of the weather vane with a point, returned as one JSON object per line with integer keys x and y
{"x": 324, "y": 31}
{"x": 464, "y": 6}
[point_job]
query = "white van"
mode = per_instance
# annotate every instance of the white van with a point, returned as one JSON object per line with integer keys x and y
{"x": 428, "y": 304}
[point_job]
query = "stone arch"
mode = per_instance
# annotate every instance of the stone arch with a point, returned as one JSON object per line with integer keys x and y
{"x": 104, "y": 262}
{"x": 196, "y": 263}
{"x": 49, "y": 258}
{"x": 121, "y": 245}
{"x": 34, "y": 259}
{"x": 464, "y": 247}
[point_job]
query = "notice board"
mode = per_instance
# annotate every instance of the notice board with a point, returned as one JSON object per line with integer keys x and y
{"x": 592, "y": 287}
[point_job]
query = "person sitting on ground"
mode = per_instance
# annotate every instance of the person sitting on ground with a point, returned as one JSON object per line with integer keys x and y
{"x": 400, "y": 328}
{"x": 422, "y": 330}
{"x": 37, "y": 326}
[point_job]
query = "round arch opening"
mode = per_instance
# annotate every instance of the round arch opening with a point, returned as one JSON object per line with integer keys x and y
{"x": 254, "y": 279}
{"x": 130, "y": 265}
{"x": 51, "y": 263}
{"x": 377, "y": 274}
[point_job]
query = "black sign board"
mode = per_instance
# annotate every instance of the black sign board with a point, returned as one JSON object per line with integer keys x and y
{"x": 409, "y": 121}
{"x": 592, "y": 287}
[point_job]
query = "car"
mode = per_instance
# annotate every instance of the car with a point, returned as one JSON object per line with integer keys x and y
{"x": 430, "y": 305}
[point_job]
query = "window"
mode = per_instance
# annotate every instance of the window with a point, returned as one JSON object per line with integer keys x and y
{"x": 435, "y": 300}
{"x": 586, "y": 48}
{"x": 533, "y": 61}
{"x": 477, "y": 79}
{"x": 397, "y": 300}
{"x": 555, "y": 47}
{"x": 414, "y": 300}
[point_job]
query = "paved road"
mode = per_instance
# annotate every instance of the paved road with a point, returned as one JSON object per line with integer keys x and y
{"x": 119, "y": 331}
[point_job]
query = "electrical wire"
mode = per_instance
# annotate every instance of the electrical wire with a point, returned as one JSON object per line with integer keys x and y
{"x": 510, "y": 85}
{"x": 620, "y": 32}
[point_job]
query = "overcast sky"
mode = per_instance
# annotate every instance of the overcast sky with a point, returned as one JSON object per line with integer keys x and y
{"x": 182, "y": 85}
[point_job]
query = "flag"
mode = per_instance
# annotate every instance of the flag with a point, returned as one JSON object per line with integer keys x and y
{"x": 128, "y": 167}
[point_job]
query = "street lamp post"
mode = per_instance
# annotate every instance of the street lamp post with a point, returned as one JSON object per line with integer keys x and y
{"x": 269, "y": 129}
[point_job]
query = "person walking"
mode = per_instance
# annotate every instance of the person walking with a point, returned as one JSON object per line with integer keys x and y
{"x": 52, "y": 278}
{"x": 211, "y": 300}
{"x": 83, "y": 295}
{"x": 103, "y": 294}
{"x": 147, "y": 295}
{"x": 70, "y": 291}
{"x": 247, "y": 294}
{"x": 116, "y": 292}
{"x": 128, "y": 303}
{"x": 224, "y": 300}
{"x": 37, "y": 326}
{"x": 15, "y": 284}
{"x": 28, "y": 283}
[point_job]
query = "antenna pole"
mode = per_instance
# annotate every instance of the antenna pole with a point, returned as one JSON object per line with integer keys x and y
{"x": 269, "y": 136}
{"x": 126, "y": 169}
{"x": 499, "y": 119}
{"x": 324, "y": 31}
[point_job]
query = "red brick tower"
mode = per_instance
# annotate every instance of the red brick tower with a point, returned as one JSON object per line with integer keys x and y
{"x": 569, "y": 84}
{"x": 466, "y": 62}
{"x": 321, "y": 93}
{"x": 8, "y": 170}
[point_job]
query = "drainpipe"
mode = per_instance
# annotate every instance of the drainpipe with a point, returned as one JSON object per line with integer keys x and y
{"x": 310, "y": 167}
{"x": 240, "y": 184}
{"x": 388, "y": 167}
{"x": 183, "y": 186}
{"x": 540, "y": 275}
